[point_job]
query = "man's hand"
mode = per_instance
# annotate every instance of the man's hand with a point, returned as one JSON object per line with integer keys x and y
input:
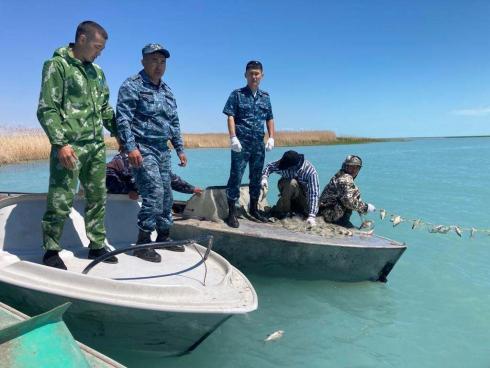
{"x": 197, "y": 190}
{"x": 133, "y": 195}
{"x": 270, "y": 144}
{"x": 263, "y": 183}
{"x": 371, "y": 208}
{"x": 67, "y": 157}
{"x": 135, "y": 158}
{"x": 235, "y": 144}
{"x": 183, "y": 159}
{"x": 311, "y": 221}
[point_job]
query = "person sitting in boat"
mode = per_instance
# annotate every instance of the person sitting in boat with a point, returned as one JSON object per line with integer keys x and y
{"x": 298, "y": 187}
{"x": 119, "y": 179}
{"x": 341, "y": 196}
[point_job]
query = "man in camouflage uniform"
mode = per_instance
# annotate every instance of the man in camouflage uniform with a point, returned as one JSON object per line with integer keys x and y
{"x": 73, "y": 108}
{"x": 247, "y": 109}
{"x": 341, "y": 196}
{"x": 119, "y": 179}
{"x": 146, "y": 119}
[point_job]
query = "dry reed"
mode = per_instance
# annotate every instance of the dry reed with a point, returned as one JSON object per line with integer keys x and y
{"x": 32, "y": 144}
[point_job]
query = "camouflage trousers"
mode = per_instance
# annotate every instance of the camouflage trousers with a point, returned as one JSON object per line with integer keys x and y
{"x": 90, "y": 170}
{"x": 292, "y": 198}
{"x": 153, "y": 182}
{"x": 252, "y": 154}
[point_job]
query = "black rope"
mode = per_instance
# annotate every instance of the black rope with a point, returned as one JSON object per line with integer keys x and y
{"x": 158, "y": 245}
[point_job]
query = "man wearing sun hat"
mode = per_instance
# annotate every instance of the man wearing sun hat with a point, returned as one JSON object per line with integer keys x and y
{"x": 146, "y": 120}
{"x": 299, "y": 187}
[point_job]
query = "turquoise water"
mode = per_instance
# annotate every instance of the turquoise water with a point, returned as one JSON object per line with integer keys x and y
{"x": 433, "y": 312}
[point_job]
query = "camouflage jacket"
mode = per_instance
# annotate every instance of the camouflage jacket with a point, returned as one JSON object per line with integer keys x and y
{"x": 74, "y": 101}
{"x": 249, "y": 113}
{"x": 339, "y": 195}
{"x": 147, "y": 116}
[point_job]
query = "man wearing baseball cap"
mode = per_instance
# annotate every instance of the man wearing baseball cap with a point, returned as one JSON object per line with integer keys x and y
{"x": 146, "y": 120}
{"x": 341, "y": 196}
{"x": 247, "y": 109}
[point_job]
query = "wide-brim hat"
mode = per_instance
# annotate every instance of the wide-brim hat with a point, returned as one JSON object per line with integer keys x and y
{"x": 290, "y": 160}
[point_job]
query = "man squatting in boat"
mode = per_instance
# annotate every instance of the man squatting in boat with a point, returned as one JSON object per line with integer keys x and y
{"x": 147, "y": 118}
{"x": 247, "y": 109}
{"x": 299, "y": 187}
{"x": 120, "y": 180}
{"x": 73, "y": 108}
{"x": 341, "y": 196}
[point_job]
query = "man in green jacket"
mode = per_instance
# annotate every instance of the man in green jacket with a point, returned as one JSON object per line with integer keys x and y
{"x": 73, "y": 108}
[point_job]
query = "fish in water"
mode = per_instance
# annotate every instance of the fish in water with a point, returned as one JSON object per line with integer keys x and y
{"x": 458, "y": 231}
{"x": 441, "y": 229}
{"x": 396, "y": 220}
{"x": 274, "y": 336}
{"x": 366, "y": 224}
{"x": 382, "y": 214}
{"x": 416, "y": 223}
{"x": 472, "y": 232}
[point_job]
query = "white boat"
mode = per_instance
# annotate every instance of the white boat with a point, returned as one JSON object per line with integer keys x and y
{"x": 165, "y": 308}
{"x": 274, "y": 250}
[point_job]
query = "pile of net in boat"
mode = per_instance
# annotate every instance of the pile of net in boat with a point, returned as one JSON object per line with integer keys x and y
{"x": 212, "y": 205}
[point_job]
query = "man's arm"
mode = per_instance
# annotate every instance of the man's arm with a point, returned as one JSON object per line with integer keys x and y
{"x": 108, "y": 116}
{"x": 50, "y": 103}
{"x": 313, "y": 192}
{"x": 127, "y": 102}
{"x": 180, "y": 185}
{"x": 351, "y": 197}
{"x": 271, "y": 128}
{"x": 231, "y": 126}
{"x": 270, "y": 168}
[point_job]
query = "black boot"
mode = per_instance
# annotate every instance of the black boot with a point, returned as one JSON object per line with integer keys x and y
{"x": 96, "y": 253}
{"x": 232, "y": 220}
{"x": 254, "y": 210}
{"x": 164, "y": 236}
{"x": 149, "y": 255}
{"x": 52, "y": 259}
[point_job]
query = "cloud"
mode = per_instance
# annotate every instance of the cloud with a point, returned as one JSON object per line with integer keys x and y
{"x": 480, "y": 111}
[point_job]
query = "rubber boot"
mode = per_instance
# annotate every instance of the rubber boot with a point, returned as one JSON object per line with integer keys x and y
{"x": 149, "y": 255}
{"x": 232, "y": 220}
{"x": 96, "y": 253}
{"x": 164, "y": 236}
{"x": 254, "y": 210}
{"x": 52, "y": 259}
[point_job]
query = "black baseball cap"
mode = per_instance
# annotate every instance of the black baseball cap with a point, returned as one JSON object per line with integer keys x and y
{"x": 254, "y": 64}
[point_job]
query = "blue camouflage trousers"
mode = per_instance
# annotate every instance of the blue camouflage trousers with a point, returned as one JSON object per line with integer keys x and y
{"x": 153, "y": 183}
{"x": 252, "y": 154}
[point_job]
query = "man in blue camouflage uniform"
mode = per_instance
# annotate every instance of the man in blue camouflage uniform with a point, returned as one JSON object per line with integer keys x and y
{"x": 247, "y": 109}
{"x": 146, "y": 119}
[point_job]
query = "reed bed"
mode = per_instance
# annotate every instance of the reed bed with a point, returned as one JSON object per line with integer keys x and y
{"x": 32, "y": 144}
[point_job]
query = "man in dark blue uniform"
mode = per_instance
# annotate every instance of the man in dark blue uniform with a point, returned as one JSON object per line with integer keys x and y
{"x": 247, "y": 109}
{"x": 146, "y": 119}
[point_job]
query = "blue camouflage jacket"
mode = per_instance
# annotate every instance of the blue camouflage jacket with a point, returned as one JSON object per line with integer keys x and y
{"x": 147, "y": 116}
{"x": 249, "y": 112}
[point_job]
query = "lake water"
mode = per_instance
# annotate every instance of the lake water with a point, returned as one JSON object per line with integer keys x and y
{"x": 433, "y": 312}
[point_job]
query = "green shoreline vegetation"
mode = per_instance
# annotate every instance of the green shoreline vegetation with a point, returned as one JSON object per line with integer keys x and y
{"x": 20, "y": 145}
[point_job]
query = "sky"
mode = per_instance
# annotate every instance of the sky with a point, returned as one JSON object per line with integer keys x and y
{"x": 374, "y": 68}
